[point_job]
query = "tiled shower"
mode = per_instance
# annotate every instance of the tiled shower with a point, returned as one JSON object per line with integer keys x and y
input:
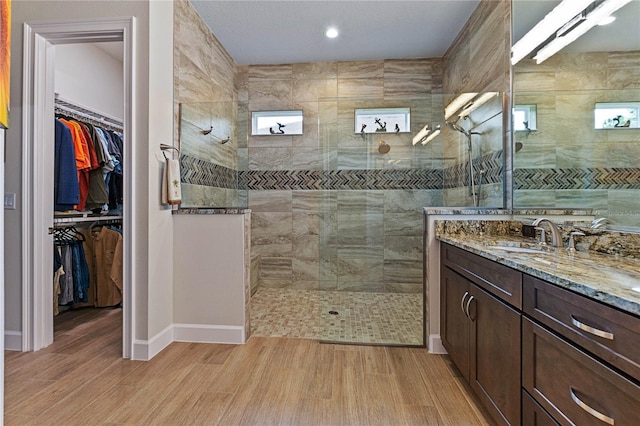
{"x": 336, "y": 236}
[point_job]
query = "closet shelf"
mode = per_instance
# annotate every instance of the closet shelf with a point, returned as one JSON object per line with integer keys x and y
{"x": 65, "y": 219}
{"x": 82, "y": 112}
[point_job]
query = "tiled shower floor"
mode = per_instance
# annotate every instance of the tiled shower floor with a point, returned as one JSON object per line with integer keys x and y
{"x": 378, "y": 318}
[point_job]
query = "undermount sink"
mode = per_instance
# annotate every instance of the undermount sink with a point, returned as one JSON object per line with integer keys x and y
{"x": 517, "y": 249}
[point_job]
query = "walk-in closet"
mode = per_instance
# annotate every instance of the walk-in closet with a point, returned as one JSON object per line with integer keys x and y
{"x": 87, "y": 187}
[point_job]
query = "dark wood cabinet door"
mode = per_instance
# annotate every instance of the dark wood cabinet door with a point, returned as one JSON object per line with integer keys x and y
{"x": 572, "y": 386}
{"x": 495, "y": 356}
{"x": 454, "y": 324}
{"x": 533, "y": 414}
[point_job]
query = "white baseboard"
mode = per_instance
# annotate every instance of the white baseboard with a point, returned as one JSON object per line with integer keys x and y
{"x": 144, "y": 350}
{"x": 13, "y": 340}
{"x": 435, "y": 345}
{"x": 208, "y": 333}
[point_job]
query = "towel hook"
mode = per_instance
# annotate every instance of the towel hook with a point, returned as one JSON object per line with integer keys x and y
{"x": 208, "y": 131}
{"x": 164, "y": 147}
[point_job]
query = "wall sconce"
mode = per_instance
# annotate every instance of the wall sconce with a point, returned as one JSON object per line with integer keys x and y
{"x": 581, "y": 26}
{"x": 460, "y": 102}
{"x": 465, "y": 103}
{"x": 555, "y": 19}
{"x": 564, "y": 24}
{"x": 432, "y": 136}
{"x": 423, "y": 133}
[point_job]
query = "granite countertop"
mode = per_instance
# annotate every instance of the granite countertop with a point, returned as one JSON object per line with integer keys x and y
{"x": 211, "y": 210}
{"x": 612, "y": 280}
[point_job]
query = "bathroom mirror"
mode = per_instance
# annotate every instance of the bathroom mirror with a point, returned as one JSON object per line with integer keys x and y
{"x": 568, "y": 162}
{"x": 280, "y": 123}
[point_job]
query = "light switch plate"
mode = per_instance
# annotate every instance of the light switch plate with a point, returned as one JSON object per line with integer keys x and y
{"x": 10, "y": 201}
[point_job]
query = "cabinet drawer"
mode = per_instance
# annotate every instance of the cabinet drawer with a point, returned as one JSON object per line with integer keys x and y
{"x": 609, "y": 334}
{"x": 572, "y": 386}
{"x": 501, "y": 281}
{"x": 533, "y": 414}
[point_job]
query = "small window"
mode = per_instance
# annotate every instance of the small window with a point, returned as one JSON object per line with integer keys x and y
{"x": 383, "y": 120}
{"x": 524, "y": 118}
{"x": 276, "y": 123}
{"x": 617, "y": 115}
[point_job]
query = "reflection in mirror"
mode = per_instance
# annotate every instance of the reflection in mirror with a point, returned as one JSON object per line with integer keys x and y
{"x": 472, "y": 135}
{"x": 566, "y": 162}
{"x": 616, "y": 115}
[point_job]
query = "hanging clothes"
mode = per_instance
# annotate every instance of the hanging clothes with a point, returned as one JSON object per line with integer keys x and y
{"x": 58, "y": 272}
{"x": 94, "y": 155}
{"x": 103, "y": 249}
{"x": 66, "y": 190}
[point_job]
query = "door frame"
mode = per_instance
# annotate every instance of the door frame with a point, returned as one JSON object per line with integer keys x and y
{"x": 37, "y": 149}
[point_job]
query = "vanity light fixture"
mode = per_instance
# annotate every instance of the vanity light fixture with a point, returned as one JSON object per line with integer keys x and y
{"x": 332, "y": 32}
{"x": 423, "y": 133}
{"x": 460, "y": 102}
{"x": 476, "y": 103}
{"x": 432, "y": 136}
{"x": 606, "y": 21}
{"x": 592, "y": 19}
{"x": 554, "y": 20}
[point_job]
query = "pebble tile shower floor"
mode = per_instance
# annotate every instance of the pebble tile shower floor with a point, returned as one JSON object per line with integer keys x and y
{"x": 372, "y": 318}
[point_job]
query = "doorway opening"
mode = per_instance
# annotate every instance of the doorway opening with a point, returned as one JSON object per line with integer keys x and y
{"x": 37, "y": 169}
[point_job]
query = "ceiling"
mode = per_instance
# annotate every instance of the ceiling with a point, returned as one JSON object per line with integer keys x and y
{"x": 276, "y": 32}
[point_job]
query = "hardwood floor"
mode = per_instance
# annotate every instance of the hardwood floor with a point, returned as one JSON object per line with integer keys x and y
{"x": 81, "y": 380}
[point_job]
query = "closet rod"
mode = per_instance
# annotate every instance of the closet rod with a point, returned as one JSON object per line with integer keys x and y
{"x": 84, "y": 112}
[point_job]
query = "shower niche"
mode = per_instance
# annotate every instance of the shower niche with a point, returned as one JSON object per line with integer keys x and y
{"x": 382, "y": 120}
{"x": 267, "y": 123}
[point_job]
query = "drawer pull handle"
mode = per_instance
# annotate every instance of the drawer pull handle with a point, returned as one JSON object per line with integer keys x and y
{"x": 464, "y": 296}
{"x": 592, "y": 330}
{"x": 598, "y": 415}
{"x": 467, "y": 307}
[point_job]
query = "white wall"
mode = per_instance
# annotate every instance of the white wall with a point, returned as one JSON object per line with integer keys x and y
{"x": 90, "y": 76}
{"x": 210, "y": 269}
{"x": 151, "y": 105}
{"x": 2, "y": 143}
{"x": 161, "y": 245}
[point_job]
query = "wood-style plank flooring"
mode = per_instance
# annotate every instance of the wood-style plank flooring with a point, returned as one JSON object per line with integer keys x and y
{"x": 81, "y": 380}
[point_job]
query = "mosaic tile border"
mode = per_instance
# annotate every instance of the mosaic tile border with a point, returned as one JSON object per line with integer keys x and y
{"x": 492, "y": 164}
{"x": 584, "y": 178}
{"x": 341, "y": 179}
{"x": 200, "y": 172}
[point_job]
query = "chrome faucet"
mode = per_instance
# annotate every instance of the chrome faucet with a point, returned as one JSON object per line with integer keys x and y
{"x": 556, "y": 237}
{"x": 601, "y": 222}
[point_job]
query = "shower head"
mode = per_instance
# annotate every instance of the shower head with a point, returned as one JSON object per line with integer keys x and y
{"x": 457, "y": 128}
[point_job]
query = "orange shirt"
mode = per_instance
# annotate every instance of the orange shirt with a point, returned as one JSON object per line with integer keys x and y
{"x": 80, "y": 145}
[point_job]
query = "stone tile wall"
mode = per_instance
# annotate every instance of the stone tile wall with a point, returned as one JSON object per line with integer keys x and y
{"x": 205, "y": 97}
{"x": 566, "y": 162}
{"x": 330, "y": 211}
{"x": 478, "y": 61}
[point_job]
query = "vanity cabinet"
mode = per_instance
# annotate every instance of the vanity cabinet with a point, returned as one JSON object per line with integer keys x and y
{"x": 573, "y": 386}
{"x": 533, "y": 414}
{"x": 480, "y": 331}
{"x": 534, "y": 352}
{"x": 580, "y": 358}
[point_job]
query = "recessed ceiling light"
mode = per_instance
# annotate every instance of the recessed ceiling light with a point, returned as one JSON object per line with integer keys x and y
{"x": 606, "y": 21}
{"x": 331, "y": 32}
